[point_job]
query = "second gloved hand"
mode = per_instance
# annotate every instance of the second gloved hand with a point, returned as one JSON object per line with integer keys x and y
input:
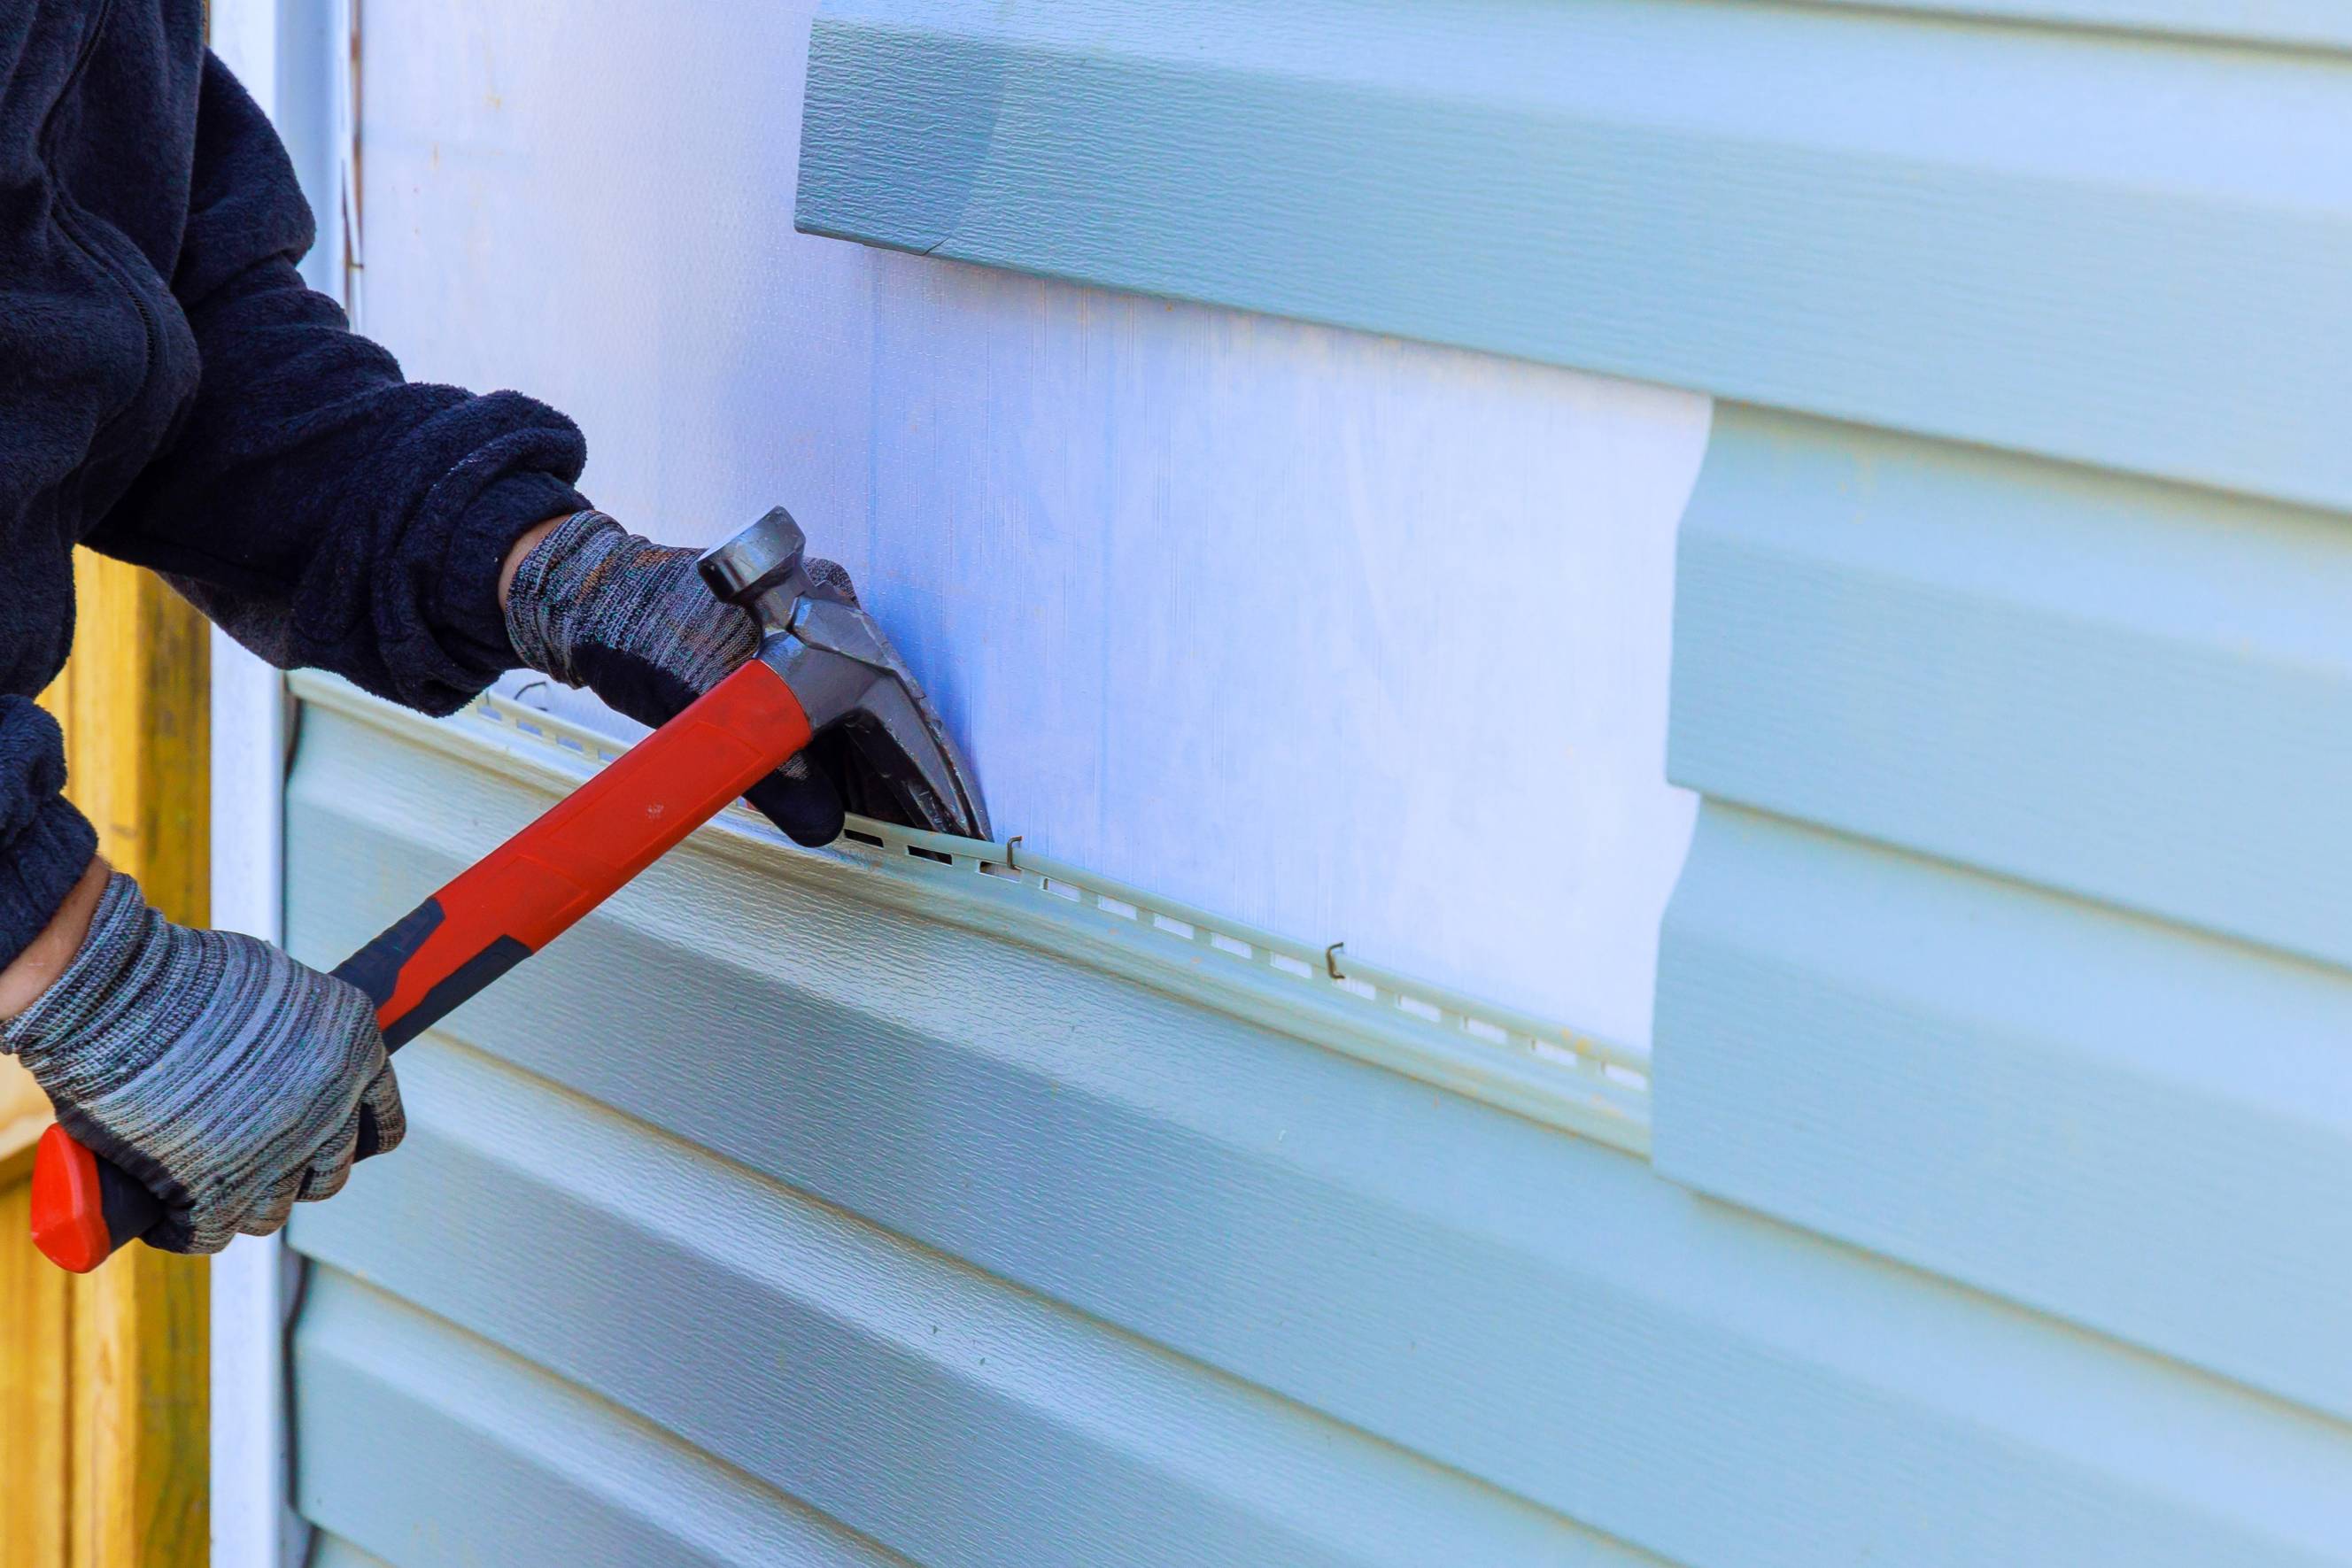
{"x": 228, "y": 1078}
{"x": 593, "y": 605}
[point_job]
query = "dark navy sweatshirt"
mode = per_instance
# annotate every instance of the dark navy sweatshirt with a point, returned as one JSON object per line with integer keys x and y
{"x": 170, "y": 394}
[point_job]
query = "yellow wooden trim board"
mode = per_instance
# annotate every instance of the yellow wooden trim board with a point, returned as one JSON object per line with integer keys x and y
{"x": 104, "y": 1395}
{"x": 23, "y": 1112}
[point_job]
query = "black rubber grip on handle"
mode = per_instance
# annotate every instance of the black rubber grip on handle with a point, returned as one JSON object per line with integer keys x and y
{"x": 376, "y": 970}
{"x": 130, "y": 1210}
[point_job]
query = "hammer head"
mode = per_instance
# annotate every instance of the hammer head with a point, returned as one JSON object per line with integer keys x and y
{"x": 848, "y": 678}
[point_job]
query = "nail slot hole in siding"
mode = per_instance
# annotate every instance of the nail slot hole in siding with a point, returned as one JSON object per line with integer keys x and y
{"x": 1417, "y": 1007}
{"x": 1174, "y": 926}
{"x": 854, "y": 836}
{"x": 1059, "y": 889}
{"x": 1119, "y": 907}
{"x": 1007, "y": 872}
{"x": 1223, "y": 944}
{"x": 1290, "y": 965}
{"x": 924, "y": 855}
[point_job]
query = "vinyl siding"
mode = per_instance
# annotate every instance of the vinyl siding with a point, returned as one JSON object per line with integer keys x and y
{"x": 502, "y": 1463}
{"x": 1233, "y": 1289}
{"x": 2136, "y": 693}
{"x": 2012, "y": 942}
{"x": 2010, "y": 641}
{"x": 886, "y": 1379}
{"x": 2128, "y": 1123}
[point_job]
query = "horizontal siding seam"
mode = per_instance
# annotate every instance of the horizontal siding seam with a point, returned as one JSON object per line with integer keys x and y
{"x": 2101, "y": 908}
{"x": 628, "y": 1420}
{"x": 2020, "y": 1091}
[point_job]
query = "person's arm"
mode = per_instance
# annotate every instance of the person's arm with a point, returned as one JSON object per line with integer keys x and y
{"x": 51, "y": 951}
{"x": 45, "y": 843}
{"x": 324, "y": 510}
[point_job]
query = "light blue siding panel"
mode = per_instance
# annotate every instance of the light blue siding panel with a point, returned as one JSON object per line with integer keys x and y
{"x": 2133, "y": 691}
{"x": 2023, "y": 237}
{"x": 2144, "y": 1130}
{"x": 1525, "y": 1307}
{"x": 427, "y": 1447}
{"x": 925, "y": 1405}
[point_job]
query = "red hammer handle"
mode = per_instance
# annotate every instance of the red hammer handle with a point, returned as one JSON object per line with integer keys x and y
{"x": 494, "y": 914}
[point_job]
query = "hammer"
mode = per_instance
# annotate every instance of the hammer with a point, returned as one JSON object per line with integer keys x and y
{"x": 823, "y": 668}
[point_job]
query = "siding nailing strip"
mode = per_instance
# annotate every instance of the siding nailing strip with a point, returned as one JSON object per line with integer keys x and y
{"x": 1531, "y": 1066}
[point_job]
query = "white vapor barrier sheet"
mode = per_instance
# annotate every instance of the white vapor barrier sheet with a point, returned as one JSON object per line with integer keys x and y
{"x": 1346, "y": 637}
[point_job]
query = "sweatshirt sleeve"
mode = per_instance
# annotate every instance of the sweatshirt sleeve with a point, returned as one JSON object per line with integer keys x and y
{"x": 322, "y": 509}
{"x": 45, "y": 843}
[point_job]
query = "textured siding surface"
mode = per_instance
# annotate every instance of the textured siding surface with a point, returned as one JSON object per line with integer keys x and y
{"x": 2136, "y": 693}
{"x": 2012, "y": 942}
{"x": 902, "y": 1236}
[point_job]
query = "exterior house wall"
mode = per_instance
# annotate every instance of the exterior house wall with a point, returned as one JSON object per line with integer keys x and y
{"x": 1298, "y": 624}
{"x": 1971, "y": 1193}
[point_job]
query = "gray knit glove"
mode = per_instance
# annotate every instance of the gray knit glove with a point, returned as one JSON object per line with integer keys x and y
{"x": 593, "y": 605}
{"x": 229, "y": 1079}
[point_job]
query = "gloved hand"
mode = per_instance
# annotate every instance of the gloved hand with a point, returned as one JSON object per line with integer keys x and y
{"x": 593, "y": 605}
{"x": 228, "y": 1078}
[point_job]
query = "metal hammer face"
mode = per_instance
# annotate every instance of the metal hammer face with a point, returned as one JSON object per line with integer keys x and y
{"x": 847, "y": 676}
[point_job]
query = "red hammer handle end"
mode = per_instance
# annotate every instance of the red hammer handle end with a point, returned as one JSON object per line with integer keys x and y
{"x": 491, "y": 916}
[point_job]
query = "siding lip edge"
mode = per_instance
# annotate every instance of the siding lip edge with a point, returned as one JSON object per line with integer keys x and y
{"x": 620, "y": 1424}
{"x": 1548, "y": 1074}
